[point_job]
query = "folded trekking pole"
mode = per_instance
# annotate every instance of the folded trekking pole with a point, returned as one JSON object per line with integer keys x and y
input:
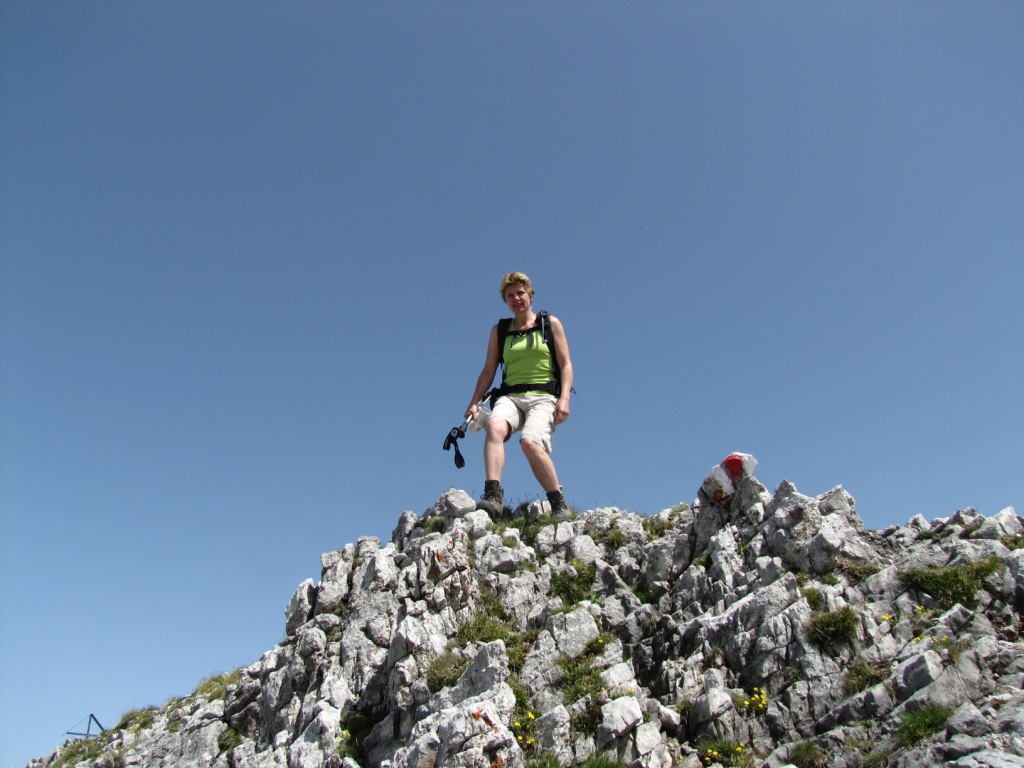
{"x": 473, "y": 425}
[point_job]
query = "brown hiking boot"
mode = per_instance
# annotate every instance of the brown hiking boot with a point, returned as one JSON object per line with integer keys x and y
{"x": 559, "y": 508}
{"x": 493, "y": 500}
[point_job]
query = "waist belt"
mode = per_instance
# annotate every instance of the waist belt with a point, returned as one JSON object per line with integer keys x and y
{"x": 552, "y": 387}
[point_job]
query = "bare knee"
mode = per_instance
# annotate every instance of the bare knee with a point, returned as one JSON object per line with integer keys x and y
{"x": 498, "y": 429}
{"x": 531, "y": 448}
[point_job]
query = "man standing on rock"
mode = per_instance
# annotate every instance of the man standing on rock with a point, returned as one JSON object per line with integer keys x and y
{"x": 533, "y": 397}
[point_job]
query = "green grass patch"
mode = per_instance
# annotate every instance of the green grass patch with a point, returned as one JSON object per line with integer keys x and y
{"x": 855, "y": 570}
{"x": 528, "y": 532}
{"x": 951, "y": 585}
{"x": 587, "y": 719}
{"x": 807, "y": 754}
{"x": 603, "y": 760}
{"x": 434, "y": 524}
{"x": 355, "y": 727}
{"x": 444, "y": 670}
{"x": 518, "y": 648}
{"x": 655, "y": 529}
{"x": 542, "y": 760}
{"x": 813, "y": 597}
{"x": 833, "y": 628}
{"x": 227, "y": 741}
{"x": 574, "y": 583}
{"x": 484, "y": 628}
{"x": 642, "y": 593}
{"x": 216, "y": 687}
{"x": 861, "y": 675}
{"x": 612, "y": 537}
{"x": 1012, "y": 540}
{"x": 84, "y": 750}
{"x": 136, "y": 719}
{"x": 954, "y": 648}
{"x": 916, "y": 724}
{"x": 580, "y": 678}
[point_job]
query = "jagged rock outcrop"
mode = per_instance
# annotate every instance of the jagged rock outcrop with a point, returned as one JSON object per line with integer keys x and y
{"x": 749, "y": 628}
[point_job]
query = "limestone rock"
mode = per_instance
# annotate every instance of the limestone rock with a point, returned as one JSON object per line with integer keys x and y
{"x": 467, "y": 642}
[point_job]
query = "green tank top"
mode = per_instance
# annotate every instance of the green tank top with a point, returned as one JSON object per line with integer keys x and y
{"x": 528, "y": 359}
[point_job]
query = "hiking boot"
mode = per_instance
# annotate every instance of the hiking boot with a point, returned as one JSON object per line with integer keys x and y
{"x": 559, "y": 508}
{"x": 493, "y": 500}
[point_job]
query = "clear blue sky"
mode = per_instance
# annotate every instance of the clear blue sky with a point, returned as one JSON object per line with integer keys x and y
{"x": 251, "y": 253}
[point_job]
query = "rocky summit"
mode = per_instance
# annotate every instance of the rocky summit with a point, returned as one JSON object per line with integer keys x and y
{"x": 748, "y": 628}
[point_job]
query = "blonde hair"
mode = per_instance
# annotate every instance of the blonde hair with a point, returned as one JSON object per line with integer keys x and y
{"x": 516, "y": 278}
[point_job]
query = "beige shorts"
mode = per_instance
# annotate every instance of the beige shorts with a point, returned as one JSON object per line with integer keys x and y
{"x": 533, "y": 414}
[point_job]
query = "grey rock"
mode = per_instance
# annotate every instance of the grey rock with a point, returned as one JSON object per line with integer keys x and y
{"x": 618, "y": 717}
{"x": 447, "y": 648}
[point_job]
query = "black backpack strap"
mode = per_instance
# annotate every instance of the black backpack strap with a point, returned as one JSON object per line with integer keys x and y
{"x": 503, "y": 325}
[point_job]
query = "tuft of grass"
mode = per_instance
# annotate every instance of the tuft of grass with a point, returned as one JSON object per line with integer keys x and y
{"x": 877, "y": 758}
{"x": 434, "y": 524}
{"x": 1013, "y": 540}
{"x": 952, "y": 585}
{"x": 528, "y": 532}
{"x": 972, "y": 528}
{"x": 807, "y": 754}
{"x": 655, "y": 529}
{"x": 444, "y": 670}
{"x": 612, "y": 537}
{"x": 580, "y": 678}
{"x": 136, "y": 719}
{"x": 861, "y": 675}
{"x": 542, "y": 760}
{"x": 484, "y": 628}
{"x": 642, "y": 593}
{"x": 833, "y": 628}
{"x": 84, "y": 750}
{"x": 588, "y": 719}
{"x": 573, "y": 584}
{"x": 856, "y": 570}
{"x": 227, "y": 741}
{"x": 954, "y": 648}
{"x": 518, "y": 648}
{"x": 603, "y": 760}
{"x": 216, "y": 687}
{"x": 356, "y": 726}
{"x": 813, "y": 597}
{"x": 489, "y": 623}
{"x": 683, "y": 707}
{"x": 923, "y": 721}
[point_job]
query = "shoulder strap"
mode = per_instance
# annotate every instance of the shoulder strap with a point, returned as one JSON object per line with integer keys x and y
{"x": 503, "y": 325}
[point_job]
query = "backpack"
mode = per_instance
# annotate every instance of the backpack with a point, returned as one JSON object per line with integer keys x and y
{"x": 554, "y": 386}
